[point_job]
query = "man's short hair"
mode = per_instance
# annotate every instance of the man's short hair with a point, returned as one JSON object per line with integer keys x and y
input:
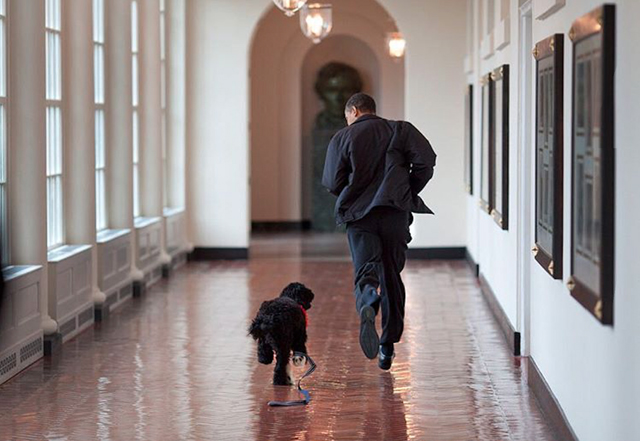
{"x": 363, "y": 102}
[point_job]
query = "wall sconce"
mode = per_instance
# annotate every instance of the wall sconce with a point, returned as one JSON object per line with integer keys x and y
{"x": 397, "y": 45}
{"x": 316, "y": 21}
{"x": 290, "y": 7}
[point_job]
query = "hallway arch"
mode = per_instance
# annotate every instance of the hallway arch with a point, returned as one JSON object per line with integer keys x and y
{"x": 280, "y": 100}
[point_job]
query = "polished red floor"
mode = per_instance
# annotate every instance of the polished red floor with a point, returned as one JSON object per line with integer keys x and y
{"x": 177, "y": 364}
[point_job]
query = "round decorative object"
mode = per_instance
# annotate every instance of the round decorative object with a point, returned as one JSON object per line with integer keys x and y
{"x": 290, "y": 7}
{"x": 316, "y": 21}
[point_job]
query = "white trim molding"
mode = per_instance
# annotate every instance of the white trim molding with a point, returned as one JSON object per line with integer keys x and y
{"x": 543, "y": 9}
{"x": 502, "y": 34}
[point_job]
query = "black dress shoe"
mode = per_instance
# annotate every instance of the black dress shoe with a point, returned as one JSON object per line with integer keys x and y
{"x": 369, "y": 340}
{"x": 384, "y": 360}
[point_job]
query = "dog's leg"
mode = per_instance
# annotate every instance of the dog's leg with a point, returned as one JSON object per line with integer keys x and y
{"x": 265, "y": 352}
{"x": 290, "y": 378}
{"x": 280, "y": 376}
{"x": 299, "y": 345}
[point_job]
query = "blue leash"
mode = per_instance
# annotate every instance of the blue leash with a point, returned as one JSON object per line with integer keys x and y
{"x": 305, "y": 393}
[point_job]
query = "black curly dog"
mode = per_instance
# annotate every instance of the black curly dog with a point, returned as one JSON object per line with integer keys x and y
{"x": 281, "y": 327}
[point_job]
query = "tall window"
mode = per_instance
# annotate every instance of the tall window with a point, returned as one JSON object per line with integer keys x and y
{"x": 99, "y": 99}
{"x": 53, "y": 29}
{"x": 163, "y": 98}
{"x": 135, "y": 101}
{"x": 3, "y": 133}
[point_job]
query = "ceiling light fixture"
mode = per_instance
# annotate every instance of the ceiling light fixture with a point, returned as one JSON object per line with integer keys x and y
{"x": 290, "y": 7}
{"x": 316, "y": 21}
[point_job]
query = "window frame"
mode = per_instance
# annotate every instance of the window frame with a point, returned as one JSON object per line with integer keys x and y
{"x": 163, "y": 101}
{"x": 4, "y": 135}
{"x": 135, "y": 105}
{"x": 54, "y": 132}
{"x": 99, "y": 75}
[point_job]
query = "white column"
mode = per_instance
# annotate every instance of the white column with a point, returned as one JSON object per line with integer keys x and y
{"x": 79, "y": 120}
{"x": 176, "y": 102}
{"x": 151, "y": 171}
{"x": 27, "y": 185}
{"x": 119, "y": 121}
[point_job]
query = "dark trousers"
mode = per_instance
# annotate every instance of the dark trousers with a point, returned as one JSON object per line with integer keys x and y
{"x": 378, "y": 245}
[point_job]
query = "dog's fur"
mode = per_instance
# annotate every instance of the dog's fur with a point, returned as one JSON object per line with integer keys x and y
{"x": 280, "y": 327}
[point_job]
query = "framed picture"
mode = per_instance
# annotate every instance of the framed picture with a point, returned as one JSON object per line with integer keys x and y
{"x": 468, "y": 139}
{"x": 487, "y": 142}
{"x": 593, "y": 162}
{"x": 499, "y": 199}
{"x": 549, "y": 55}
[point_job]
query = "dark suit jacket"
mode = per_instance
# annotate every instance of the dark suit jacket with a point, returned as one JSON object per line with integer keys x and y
{"x": 375, "y": 162}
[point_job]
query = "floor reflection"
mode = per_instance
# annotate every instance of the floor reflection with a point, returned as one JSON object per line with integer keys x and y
{"x": 178, "y": 364}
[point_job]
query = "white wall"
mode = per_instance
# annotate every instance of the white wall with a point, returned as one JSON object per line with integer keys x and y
{"x": 591, "y": 369}
{"x": 493, "y": 248}
{"x": 435, "y": 33}
{"x": 219, "y": 36}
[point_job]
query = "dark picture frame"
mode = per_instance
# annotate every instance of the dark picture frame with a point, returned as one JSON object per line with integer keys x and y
{"x": 549, "y": 146}
{"x": 499, "y": 200}
{"x": 486, "y": 142}
{"x": 593, "y": 162}
{"x": 468, "y": 139}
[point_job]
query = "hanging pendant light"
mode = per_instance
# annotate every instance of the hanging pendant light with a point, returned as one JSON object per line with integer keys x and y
{"x": 316, "y": 21}
{"x": 290, "y": 7}
{"x": 397, "y": 45}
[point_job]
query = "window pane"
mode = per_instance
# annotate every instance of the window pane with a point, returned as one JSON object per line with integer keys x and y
{"x": 98, "y": 21}
{"x": 163, "y": 86}
{"x": 58, "y": 66}
{"x": 49, "y": 140}
{"x": 47, "y": 14}
{"x": 162, "y": 36}
{"x": 54, "y": 176}
{"x": 134, "y": 78}
{"x": 3, "y": 147}
{"x": 101, "y": 208}
{"x": 58, "y": 14}
{"x": 5, "y": 230}
{"x": 100, "y": 139}
{"x": 47, "y": 70}
{"x": 136, "y": 191}
{"x": 98, "y": 205}
{"x": 3, "y": 56}
{"x": 135, "y": 98}
{"x": 134, "y": 26}
{"x": 98, "y": 61}
{"x": 58, "y": 141}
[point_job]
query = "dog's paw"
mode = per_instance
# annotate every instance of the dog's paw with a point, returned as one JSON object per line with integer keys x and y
{"x": 298, "y": 360}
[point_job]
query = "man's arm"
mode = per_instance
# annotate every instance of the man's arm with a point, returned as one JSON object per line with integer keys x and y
{"x": 421, "y": 156}
{"x": 336, "y": 166}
